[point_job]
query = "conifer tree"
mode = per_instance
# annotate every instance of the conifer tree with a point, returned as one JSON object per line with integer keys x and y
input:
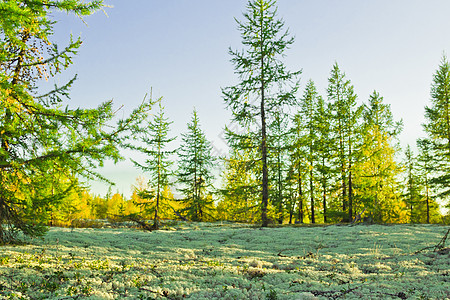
{"x": 195, "y": 171}
{"x": 297, "y": 164}
{"x": 346, "y": 115}
{"x": 291, "y": 190}
{"x": 307, "y": 112}
{"x": 425, "y": 163}
{"x": 37, "y": 133}
{"x": 412, "y": 195}
{"x": 240, "y": 188}
{"x": 377, "y": 169}
{"x": 155, "y": 138}
{"x": 324, "y": 150}
{"x": 278, "y": 141}
{"x": 437, "y": 127}
{"x": 265, "y": 84}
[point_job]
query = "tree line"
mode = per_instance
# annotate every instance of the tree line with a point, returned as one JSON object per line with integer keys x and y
{"x": 295, "y": 156}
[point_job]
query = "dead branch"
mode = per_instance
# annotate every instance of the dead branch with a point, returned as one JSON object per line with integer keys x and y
{"x": 179, "y": 215}
{"x": 163, "y": 294}
{"x": 439, "y": 246}
{"x": 358, "y": 217}
{"x": 331, "y": 294}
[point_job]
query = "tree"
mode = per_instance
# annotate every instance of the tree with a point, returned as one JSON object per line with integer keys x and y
{"x": 277, "y": 150}
{"x": 307, "y": 112}
{"x": 155, "y": 139}
{"x": 297, "y": 165}
{"x": 437, "y": 127}
{"x": 412, "y": 194}
{"x": 195, "y": 171}
{"x": 377, "y": 169}
{"x": 37, "y": 133}
{"x": 265, "y": 84}
{"x": 240, "y": 188}
{"x": 346, "y": 115}
{"x": 425, "y": 164}
{"x": 324, "y": 150}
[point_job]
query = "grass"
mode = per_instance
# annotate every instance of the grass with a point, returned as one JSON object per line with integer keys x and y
{"x": 230, "y": 261}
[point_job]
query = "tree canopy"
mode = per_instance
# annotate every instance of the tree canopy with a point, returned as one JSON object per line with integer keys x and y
{"x": 42, "y": 138}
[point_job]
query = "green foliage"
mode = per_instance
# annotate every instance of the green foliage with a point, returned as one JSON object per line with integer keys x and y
{"x": 307, "y": 122}
{"x": 240, "y": 201}
{"x": 155, "y": 138}
{"x": 437, "y": 127}
{"x": 376, "y": 182}
{"x": 330, "y": 158}
{"x": 278, "y": 142}
{"x": 412, "y": 187}
{"x": 265, "y": 84}
{"x": 345, "y": 134}
{"x": 40, "y": 140}
{"x": 195, "y": 172}
{"x": 426, "y": 206}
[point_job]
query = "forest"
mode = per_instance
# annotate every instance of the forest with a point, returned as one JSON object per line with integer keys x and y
{"x": 315, "y": 199}
{"x": 295, "y": 155}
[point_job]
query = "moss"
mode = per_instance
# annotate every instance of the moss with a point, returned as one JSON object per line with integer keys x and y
{"x": 228, "y": 261}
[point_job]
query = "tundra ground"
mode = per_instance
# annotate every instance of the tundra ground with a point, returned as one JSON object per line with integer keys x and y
{"x": 230, "y": 261}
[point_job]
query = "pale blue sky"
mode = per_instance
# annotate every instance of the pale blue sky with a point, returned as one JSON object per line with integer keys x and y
{"x": 180, "y": 48}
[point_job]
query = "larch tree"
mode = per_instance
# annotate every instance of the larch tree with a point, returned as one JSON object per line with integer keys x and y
{"x": 240, "y": 188}
{"x": 265, "y": 83}
{"x": 426, "y": 166}
{"x": 437, "y": 127}
{"x": 412, "y": 186}
{"x": 40, "y": 131}
{"x": 346, "y": 115}
{"x": 278, "y": 147}
{"x": 297, "y": 170}
{"x": 194, "y": 173}
{"x": 377, "y": 169}
{"x": 307, "y": 112}
{"x": 324, "y": 150}
{"x": 155, "y": 140}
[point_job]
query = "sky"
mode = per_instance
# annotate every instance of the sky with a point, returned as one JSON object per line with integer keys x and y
{"x": 178, "y": 49}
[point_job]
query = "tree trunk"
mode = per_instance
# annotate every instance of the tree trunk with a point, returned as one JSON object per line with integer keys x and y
{"x": 291, "y": 211}
{"x": 280, "y": 191}
{"x": 265, "y": 179}
{"x": 313, "y": 218}
{"x": 300, "y": 197}
{"x": 350, "y": 197}
{"x": 428, "y": 202}
{"x": 344, "y": 184}
{"x": 324, "y": 193}
{"x": 155, "y": 220}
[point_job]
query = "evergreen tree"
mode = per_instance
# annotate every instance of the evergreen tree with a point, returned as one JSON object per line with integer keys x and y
{"x": 324, "y": 150}
{"x": 438, "y": 127}
{"x": 195, "y": 171}
{"x": 278, "y": 141}
{"x": 265, "y": 84}
{"x": 155, "y": 138}
{"x": 377, "y": 169}
{"x": 240, "y": 188}
{"x": 412, "y": 194}
{"x": 307, "y": 112}
{"x": 291, "y": 191}
{"x": 298, "y": 166}
{"x": 346, "y": 115}
{"x": 426, "y": 167}
{"x": 37, "y": 133}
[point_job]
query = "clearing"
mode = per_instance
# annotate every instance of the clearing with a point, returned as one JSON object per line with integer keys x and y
{"x": 230, "y": 261}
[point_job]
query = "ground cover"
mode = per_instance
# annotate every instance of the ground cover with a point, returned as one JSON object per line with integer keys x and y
{"x": 230, "y": 261}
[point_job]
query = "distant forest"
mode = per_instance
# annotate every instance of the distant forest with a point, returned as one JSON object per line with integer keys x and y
{"x": 296, "y": 155}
